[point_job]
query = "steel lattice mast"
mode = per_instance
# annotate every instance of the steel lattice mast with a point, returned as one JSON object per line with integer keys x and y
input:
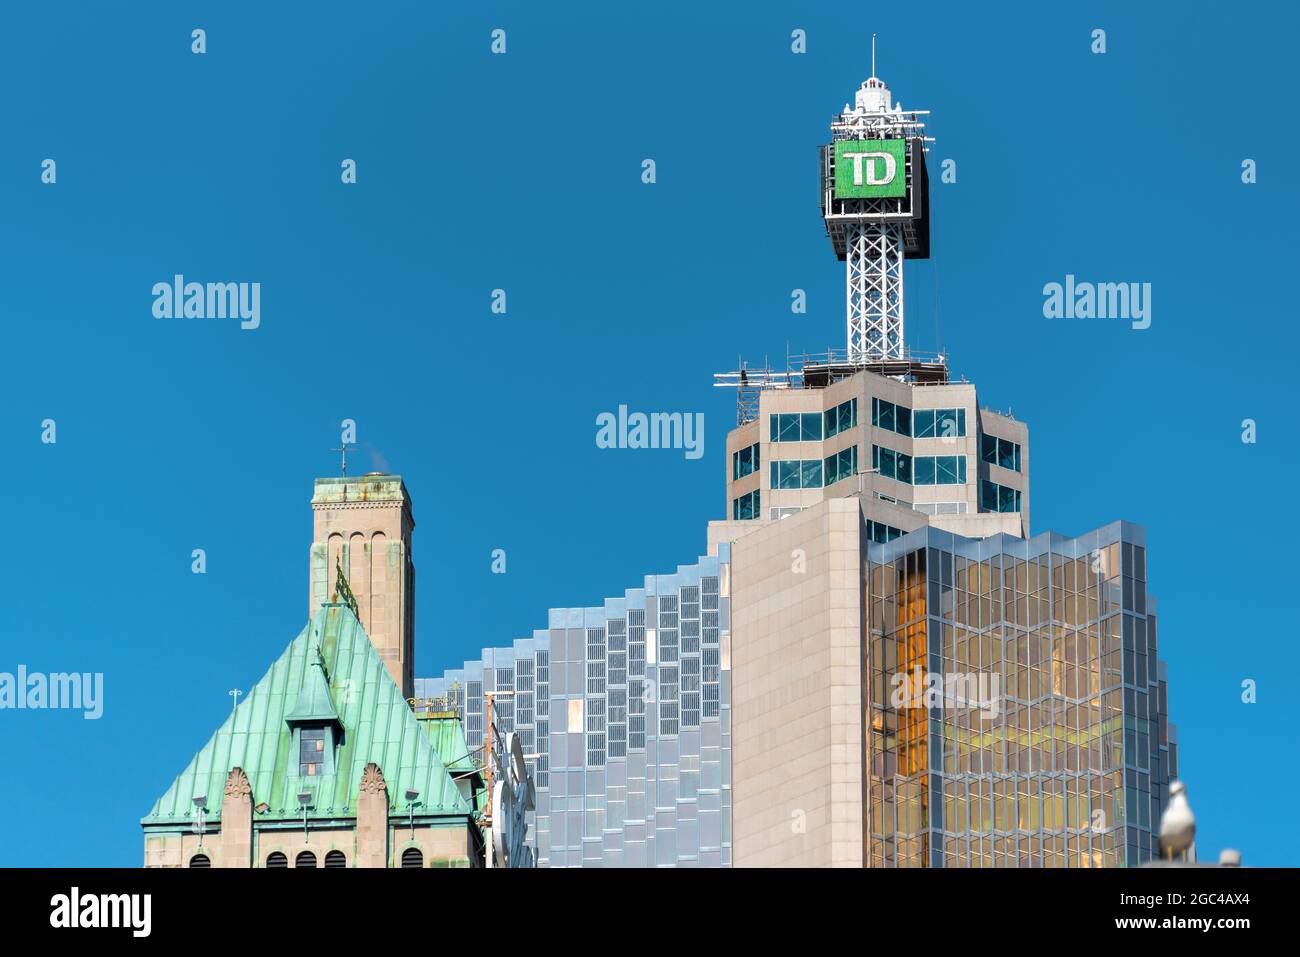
{"x": 875, "y": 204}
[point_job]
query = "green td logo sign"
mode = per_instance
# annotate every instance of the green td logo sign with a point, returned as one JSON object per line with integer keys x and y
{"x": 869, "y": 169}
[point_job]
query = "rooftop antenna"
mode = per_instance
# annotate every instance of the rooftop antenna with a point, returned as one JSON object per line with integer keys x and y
{"x": 344, "y": 450}
{"x": 873, "y": 202}
{"x": 234, "y": 698}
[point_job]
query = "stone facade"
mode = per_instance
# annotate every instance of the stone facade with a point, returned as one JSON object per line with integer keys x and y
{"x": 364, "y": 525}
{"x": 797, "y": 744}
{"x": 373, "y": 839}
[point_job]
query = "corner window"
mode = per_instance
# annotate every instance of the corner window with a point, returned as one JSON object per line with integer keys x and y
{"x": 744, "y": 462}
{"x": 892, "y": 464}
{"x": 921, "y": 470}
{"x": 887, "y": 415}
{"x": 841, "y": 418}
{"x": 843, "y": 464}
{"x": 881, "y": 533}
{"x": 998, "y": 498}
{"x": 1000, "y": 452}
{"x": 745, "y": 507}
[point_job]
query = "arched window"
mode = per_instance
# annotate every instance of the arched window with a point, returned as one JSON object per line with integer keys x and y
{"x": 335, "y": 859}
{"x": 200, "y": 860}
{"x": 305, "y": 859}
{"x": 276, "y": 859}
{"x": 411, "y": 857}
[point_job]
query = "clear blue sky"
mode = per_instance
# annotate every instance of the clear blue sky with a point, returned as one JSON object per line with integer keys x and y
{"x": 522, "y": 172}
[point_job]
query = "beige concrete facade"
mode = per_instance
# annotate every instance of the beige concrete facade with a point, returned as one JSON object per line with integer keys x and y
{"x": 955, "y": 508}
{"x": 364, "y": 524}
{"x": 797, "y": 673}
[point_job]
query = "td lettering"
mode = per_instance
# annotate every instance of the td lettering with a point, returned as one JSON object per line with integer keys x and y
{"x": 891, "y": 168}
{"x": 869, "y": 169}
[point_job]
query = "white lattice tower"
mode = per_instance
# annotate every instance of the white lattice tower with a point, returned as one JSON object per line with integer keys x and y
{"x": 871, "y": 234}
{"x": 874, "y": 291}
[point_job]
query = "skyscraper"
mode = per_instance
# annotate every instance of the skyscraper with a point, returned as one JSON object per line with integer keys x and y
{"x": 905, "y": 675}
{"x": 968, "y": 695}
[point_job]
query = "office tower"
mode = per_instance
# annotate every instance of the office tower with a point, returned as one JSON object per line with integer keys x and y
{"x": 625, "y": 709}
{"x": 969, "y": 695}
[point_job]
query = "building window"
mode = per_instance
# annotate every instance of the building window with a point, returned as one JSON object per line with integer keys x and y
{"x": 335, "y": 859}
{"x": 844, "y": 416}
{"x": 744, "y": 462}
{"x": 892, "y": 464}
{"x": 843, "y": 464}
{"x": 923, "y": 470}
{"x": 881, "y": 533}
{"x": 276, "y": 859}
{"x": 998, "y": 498}
{"x": 311, "y": 755}
{"x": 305, "y": 859}
{"x": 887, "y": 415}
{"x": 1001, "y": 452}
{"x": 412, "y": 857}
{"x": 939, "y": 470}
{"x": 668, "y": 700}
{"x": 939, "y": 423}
{"x": 941, "y": 508}
{"x": 745, "y": 507}
{"x": 200, "y": 860}
{"x": 804, "y": 473}
{"x": 795, "y": 427}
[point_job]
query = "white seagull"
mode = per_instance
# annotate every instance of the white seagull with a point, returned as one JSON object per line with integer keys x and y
{"x": 1177, "y": 824}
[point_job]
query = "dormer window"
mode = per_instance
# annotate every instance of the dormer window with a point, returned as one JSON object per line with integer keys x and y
{"x": 317, "y": 730}
{"x": 311, "y": 761}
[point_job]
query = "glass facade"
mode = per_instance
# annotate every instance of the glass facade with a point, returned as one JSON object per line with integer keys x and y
{"x": 625, "y": 711}
{"x": 1018, "y": 711}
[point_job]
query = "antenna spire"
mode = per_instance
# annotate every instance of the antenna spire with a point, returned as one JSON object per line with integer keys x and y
{"x": 344, "y": 450}
{"x": 873, "y": 56}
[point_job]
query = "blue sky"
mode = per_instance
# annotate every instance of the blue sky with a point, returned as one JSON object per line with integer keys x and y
{"x": 522, "y": 172}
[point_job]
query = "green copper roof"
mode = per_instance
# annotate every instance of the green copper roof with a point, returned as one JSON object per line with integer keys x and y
{"x": 447, "y": 735}
{"x": 377, "y": 724}
{"x": 314, "y": 704}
